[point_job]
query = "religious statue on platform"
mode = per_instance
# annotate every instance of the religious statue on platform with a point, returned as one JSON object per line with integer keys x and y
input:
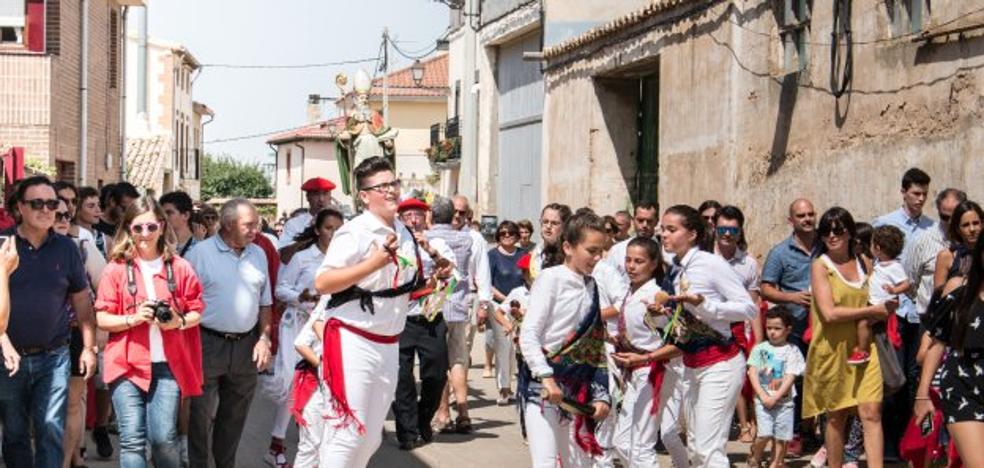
{"x": 364, "y": 134}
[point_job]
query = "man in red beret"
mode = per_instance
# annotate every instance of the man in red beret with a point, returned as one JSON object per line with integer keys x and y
{"x": 318, "y": 191}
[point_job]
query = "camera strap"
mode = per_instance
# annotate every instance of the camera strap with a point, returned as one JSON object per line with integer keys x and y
{"x": 131, "y": 280}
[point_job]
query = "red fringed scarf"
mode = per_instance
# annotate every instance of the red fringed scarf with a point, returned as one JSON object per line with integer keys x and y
{"x": 305, "y": 384}
{"x": 584, "y": 427}
{"x": 334, "y": 373}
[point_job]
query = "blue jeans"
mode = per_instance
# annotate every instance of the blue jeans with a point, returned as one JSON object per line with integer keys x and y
{"x": 148, "y": 417}
{"x": 38, "y": 391}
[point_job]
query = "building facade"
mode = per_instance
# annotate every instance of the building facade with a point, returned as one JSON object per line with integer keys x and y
{"x": 160, "y": 107}
{"x": 41, "y": 104}
{"x": 684, "y": 100}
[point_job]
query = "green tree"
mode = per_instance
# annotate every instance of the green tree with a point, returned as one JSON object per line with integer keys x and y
{"x": 223, "y": 176}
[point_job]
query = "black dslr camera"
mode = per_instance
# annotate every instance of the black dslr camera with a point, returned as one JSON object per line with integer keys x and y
{"x": 162, "y": 312}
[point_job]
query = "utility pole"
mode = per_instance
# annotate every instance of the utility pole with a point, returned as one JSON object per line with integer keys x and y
{"x": 386, "y": 101}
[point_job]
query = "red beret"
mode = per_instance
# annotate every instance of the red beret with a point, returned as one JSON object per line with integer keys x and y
{"x": 318, "y": 184}
{"x": 412, "y": 204}
{"x": 524, "y": 262}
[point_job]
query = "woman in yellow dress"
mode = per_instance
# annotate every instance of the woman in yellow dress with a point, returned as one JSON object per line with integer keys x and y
{"x": 840, "y": 298}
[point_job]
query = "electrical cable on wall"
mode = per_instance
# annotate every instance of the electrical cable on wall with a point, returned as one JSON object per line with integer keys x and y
{"x": 840, "y": 33}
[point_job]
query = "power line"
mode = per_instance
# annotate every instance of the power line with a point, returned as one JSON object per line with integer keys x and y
{"x": 295, "y": 66}
{"x": 255, "y": 135}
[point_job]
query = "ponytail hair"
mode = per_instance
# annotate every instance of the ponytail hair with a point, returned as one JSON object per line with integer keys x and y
{"x": 691, "y": 220}
{"x": 655, "y": 254}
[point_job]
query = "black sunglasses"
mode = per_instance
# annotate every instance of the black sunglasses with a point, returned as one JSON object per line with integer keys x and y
{"x": 63, "y": 216}
{"x": 38, "y": 204}
{"x": 837, "y": 231}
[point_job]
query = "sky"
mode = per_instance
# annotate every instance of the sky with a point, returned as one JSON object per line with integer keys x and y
{"x": 283, "y": 32}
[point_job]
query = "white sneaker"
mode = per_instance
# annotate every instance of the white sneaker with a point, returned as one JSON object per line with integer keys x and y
{"x": 276, "y": 459}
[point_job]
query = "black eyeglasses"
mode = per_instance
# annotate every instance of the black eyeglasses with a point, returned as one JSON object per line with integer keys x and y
{"x": 391, "y": 186}
{"x": 38, "y": 204}
{"x": 63, "y": 216}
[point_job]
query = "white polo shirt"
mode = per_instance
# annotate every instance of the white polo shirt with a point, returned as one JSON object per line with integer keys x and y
{"x": 351, "y": 245}
{"x": 234, "y": 286}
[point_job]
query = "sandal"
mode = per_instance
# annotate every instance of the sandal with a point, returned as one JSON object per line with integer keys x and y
{"x": 463, "y": 425}
{"x": 746, "y": 436}
{"x": 444, "y": 427}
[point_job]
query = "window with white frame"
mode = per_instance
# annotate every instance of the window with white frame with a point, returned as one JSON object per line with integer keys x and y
{"x": 13, "y": 21}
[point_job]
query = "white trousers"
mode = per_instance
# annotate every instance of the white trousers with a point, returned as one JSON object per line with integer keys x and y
{"x": 310, "y": 436}
{"x": 710, "y": 408}
{"x": 551, "y": 439}
{"x": 502, "y": 345}
{"x": 370, "y": 384}
{"x": 673, "y": 414}
{"x": 605, "y": 433}
{"x": 636, "y": 430}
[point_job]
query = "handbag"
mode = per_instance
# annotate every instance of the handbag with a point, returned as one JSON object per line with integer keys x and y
{"x": 893, "y": 377}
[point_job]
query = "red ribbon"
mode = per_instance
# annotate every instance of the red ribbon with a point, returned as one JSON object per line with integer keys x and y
{"x": 305, "y": 384}
{"x": 657, "y": 371}
{"x": 334, "y": 373}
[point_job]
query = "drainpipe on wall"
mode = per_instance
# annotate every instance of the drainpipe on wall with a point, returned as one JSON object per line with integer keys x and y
{"x": 122, "y": 74}
{"x": 303, "y": 150}
{"x": 84, "y": 93}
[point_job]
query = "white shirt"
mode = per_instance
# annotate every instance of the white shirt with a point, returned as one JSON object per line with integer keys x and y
{"x": 482, "y": 275}
{"x": 351, "y": 245}
{"x": 293, "y": 227}
{"x": 520, "y": 295}
{"x": 889, "y": 273}
{"x": 633, "y": 312}
{"x": 919, "y": 260}
{"x": 297, "y": 276}
{"x": 307, "y": 337}
{"x": 611, "y": 290}
{"x": 560, "y": 299}
{"x": 725, "y": 298}
{"x": 147, "y": 270}
{"x": 444, "y": 250}
{"x": 747, "y": 269}
{"x": 616, "y": 259}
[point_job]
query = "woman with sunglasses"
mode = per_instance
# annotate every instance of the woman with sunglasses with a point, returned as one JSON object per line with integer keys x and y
{"x": 839, "y": 282}
{"x": 731, "y": 244}
{"x": 150, "y": 302}
{"x": 94, "y": 265}
{"x": 611, "y": 230}
{"x": 506, "y": 276}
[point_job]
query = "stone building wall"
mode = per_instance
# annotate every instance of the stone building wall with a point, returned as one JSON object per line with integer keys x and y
{"x": 734, "y": 126}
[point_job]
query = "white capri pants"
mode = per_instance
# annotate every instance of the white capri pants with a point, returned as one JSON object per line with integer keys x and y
{"x": 497, "y": 340}
{"x": 311, "y": 435}
{"x": 713, "y": 392}
{"x": 551, "y": 439}
{"x": 637, "y": 431}
{"x": 370, "y": 384}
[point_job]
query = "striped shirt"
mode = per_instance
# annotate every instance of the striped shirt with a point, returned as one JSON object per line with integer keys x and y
{"x": 919, "y": 260}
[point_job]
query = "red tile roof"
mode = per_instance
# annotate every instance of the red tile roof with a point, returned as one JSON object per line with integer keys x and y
{"x": 324, "y": 130}
{"x": 434, "y": 83}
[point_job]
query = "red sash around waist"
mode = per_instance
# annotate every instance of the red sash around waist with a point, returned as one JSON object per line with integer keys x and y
{"x": 711, "y": 355}
{"x": 334, "y": 373}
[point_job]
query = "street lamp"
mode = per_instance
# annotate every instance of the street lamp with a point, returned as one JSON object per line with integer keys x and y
{"x": 417, "y": 70}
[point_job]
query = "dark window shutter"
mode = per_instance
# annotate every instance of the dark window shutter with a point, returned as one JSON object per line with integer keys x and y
{"x": 114, "y": 48}
{"x": 53, "y": 26}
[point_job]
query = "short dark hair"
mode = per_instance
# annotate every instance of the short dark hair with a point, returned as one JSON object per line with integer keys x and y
{"x": 525, "y": 224}
{"x": 914, "y": 176}
{"x": 889, "y": 239}
{"x": 507, "y": 226}
{"x": 645, "y": 205}
{"x": 575, "y": 227}
{"x": 105, "y": 193}
{"x": 123, "y": 190}
{"x": 780, "y": 312}
{"x": 369, "y": 168}
{"x": 87, "y": 192}
{"x": 583, "y": 210}
{"x": 181, "y": 201}
{"x": 60, "y": 185}
{"x": 27, "y": 183}
{"x": 734, "y": 213}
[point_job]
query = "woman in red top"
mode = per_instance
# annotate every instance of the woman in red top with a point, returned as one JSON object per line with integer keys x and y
{"x": 150, "y": 302}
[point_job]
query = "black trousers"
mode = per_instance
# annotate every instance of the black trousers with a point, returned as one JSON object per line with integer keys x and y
{"x": 428, "y": 341}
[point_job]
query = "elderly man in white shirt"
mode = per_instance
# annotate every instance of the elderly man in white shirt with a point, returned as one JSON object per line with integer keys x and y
{"x": 235, "y": 333}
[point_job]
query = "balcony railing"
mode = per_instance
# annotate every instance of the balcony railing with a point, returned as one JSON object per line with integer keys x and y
{"x": 451, "y": 129}
{"x": 435, "y": 134}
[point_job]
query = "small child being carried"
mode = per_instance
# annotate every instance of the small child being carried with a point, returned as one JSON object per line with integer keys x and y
{"x": 887, "y": 281}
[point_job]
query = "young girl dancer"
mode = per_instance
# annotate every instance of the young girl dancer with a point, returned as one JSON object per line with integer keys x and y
{"x": 562, "y": 340}
{"x": 649, "y": 378}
